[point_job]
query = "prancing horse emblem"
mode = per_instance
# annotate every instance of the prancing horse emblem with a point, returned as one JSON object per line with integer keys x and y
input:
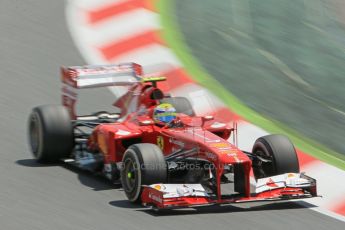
{"x": 160, "y": 142}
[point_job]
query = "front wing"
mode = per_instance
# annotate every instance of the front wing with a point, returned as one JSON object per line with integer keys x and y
{"x": 282, "y": 187}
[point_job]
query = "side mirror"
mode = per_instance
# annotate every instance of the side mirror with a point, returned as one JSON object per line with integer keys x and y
{"x": 146, "y": 122}
{"x": 206, "y": 118}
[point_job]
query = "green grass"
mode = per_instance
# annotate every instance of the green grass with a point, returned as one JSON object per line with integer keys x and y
{"x": 174, "y": 39}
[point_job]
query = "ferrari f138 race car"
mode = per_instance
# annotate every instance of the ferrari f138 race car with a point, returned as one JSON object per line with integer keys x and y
{"x": 163, "y": 154}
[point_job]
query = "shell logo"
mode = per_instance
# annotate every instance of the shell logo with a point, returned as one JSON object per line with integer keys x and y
{"x": 157, "y": 186}
{"x": 291, "y": 175}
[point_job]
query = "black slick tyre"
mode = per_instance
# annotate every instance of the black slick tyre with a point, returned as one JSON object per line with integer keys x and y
{"x": 281, "y": 154}
{"x": 142, "y": 164}
{"x": 50, "y": 133}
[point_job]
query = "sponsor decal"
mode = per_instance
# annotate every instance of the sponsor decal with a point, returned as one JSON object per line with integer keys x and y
{"x": 122, "y": 132}
{"x": 212, "y": 141}
{"x": 160, "y": 142}
{"x": 237, "y": 160}
{"x": 271, "y": 183}
{"x": 220, "y": 145}
{"x": 155, "y": 197}
{"x": 291, "y": 175}
{"x": 102, "y": 69}
{"x": 159, "y": 187}
{"x": 229, "y": 151}
{"x": 225, "y": 148}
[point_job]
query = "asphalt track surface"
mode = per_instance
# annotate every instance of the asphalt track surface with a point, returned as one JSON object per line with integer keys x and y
{"x": 34, "y": 42}
{"x": 283, "y": 59}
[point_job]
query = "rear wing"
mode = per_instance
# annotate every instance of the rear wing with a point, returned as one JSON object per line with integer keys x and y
{"x": 92, "y": 76}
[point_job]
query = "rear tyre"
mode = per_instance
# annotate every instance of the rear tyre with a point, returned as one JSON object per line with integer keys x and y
{"x": 50, "y": 133}
{"x": 143, "y": 164}
{"x": 281, "y": 154}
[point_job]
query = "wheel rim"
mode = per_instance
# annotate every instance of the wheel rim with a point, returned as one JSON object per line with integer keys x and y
{"x": 267, "y": 168}
{"x": 34, "y": 132}
{"x": 131, "y": 174}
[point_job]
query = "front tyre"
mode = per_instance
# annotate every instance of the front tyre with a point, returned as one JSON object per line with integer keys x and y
{"x": 142, "y": 164}
{"x": 50, "y": 133}
{"x": 277, "y": 155}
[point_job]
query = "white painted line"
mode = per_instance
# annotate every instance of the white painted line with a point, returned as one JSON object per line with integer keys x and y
{"x": 92, "y": 4}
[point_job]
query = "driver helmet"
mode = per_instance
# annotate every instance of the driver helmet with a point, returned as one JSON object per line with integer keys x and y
{"x": 164, "y": 113}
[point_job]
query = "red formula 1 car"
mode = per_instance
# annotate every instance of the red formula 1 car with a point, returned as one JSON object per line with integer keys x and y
{"x": 184, "y": 162}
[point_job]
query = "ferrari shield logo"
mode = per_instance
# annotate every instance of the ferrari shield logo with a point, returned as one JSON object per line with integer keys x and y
{"x": 160, "y": 142}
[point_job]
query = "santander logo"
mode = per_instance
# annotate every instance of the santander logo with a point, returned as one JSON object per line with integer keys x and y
{"x": 155, "y": 198}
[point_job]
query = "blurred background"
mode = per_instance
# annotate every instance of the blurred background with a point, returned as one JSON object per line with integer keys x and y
{"x": 284, "y": 59}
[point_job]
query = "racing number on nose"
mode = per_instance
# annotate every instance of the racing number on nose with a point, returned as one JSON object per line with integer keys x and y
{"x": 160, "y": 142}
